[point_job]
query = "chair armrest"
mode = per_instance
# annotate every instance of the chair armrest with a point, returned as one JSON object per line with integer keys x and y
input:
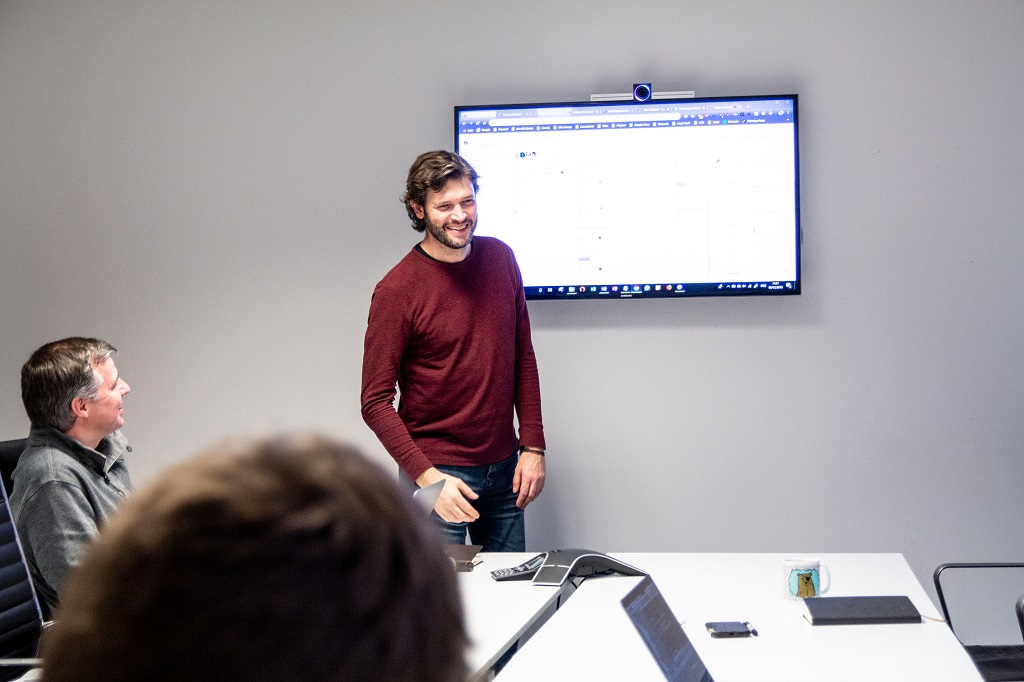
{"x": 937, "y": 577}
{"x": 12, "y": 662}
{"x": 1020, "y": 614}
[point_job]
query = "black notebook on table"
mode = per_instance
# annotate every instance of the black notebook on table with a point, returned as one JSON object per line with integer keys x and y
{"x": 860, "y": 610}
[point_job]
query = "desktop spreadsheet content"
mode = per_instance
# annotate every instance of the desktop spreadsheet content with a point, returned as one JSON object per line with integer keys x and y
{"x": 665, "y": 199}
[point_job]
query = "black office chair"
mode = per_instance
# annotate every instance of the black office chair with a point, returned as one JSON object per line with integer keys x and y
{"x": 980, "y": 594}
{"x": 21, "y": 619}
{"x": 10, "y": 452}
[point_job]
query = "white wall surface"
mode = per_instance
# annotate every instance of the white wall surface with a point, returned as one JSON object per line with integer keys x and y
{"x": 213, "y": 186}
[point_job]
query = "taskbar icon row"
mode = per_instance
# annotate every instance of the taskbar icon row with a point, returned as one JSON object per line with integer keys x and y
{"x": 608, "y": 289}
{"x": 657, "y": 290}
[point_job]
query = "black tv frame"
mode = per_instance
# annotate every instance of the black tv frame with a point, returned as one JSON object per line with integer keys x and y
{"x": 705, "y": 112}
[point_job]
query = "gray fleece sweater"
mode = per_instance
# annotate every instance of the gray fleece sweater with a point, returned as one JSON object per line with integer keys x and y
{"x": 63, "y": 492}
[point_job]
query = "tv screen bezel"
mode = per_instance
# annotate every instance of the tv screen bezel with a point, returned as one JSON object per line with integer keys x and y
{"x": 658, "y": 290}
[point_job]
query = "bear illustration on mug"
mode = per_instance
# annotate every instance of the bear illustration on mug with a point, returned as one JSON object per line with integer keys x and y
{"x": 805, "y": 584}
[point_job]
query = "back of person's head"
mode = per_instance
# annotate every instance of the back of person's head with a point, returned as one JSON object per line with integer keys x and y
{"x": 432, "y": 171}
{"x": 56, "y": 374}
{"x": 275, "y": 559}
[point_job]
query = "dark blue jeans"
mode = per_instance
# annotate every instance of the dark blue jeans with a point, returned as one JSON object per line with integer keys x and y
{"x": 501, "y": 526}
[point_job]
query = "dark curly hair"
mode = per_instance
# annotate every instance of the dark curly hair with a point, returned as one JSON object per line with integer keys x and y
{"x": 430, "y": 172}
{"x": 285, "y": 558}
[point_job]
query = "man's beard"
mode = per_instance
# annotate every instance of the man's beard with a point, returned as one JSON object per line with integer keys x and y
{"x": 439, "y": 233}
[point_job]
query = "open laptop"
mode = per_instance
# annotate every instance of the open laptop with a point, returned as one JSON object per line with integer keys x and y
{"x": 663, "y": 634}
{"x": 463, "y": 556}
{"x": 427, "y": 497}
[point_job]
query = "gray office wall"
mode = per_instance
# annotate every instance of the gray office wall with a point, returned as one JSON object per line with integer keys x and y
{"x": 213, "y": 187}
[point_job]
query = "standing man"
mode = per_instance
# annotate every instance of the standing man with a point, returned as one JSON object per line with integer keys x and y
{"x": 71, "y": 476}
{"x": 449, "y": 326}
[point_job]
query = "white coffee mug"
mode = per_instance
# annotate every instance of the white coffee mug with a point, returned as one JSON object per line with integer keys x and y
{"x": 802, "y": 578}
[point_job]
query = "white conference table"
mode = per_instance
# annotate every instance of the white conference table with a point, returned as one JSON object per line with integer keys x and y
{"x": 498, "y": 614}
{"x": 590, "y": 637}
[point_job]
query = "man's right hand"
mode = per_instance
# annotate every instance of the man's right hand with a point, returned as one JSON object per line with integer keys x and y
{"x": 453, "y": 505}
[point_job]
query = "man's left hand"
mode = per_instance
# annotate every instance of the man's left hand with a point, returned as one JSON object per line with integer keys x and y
{"x": 529, "y": 478}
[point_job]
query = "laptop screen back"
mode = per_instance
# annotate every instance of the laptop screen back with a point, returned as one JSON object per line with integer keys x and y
{"x": 663, "y": 634}
{"x": 427, "y": 497}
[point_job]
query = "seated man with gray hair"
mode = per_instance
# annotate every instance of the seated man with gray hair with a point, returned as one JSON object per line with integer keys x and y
{"x": 72, "y": 475}
{"x": 283, "y": 558}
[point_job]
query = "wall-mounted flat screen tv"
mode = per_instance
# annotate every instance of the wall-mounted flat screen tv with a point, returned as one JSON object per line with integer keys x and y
{"x": 668, "y": 198}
